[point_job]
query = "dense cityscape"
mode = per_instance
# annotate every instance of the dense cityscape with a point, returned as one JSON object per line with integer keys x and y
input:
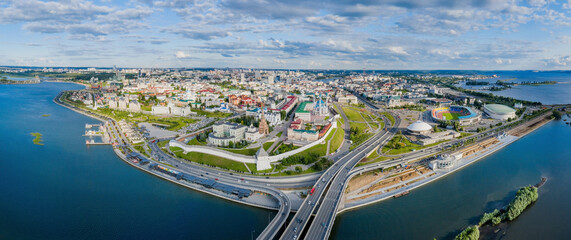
{"x": 274, "y": 119}
{"x": 299, "y": 142}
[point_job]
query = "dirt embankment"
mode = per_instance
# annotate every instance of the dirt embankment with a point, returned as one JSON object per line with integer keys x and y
{"x": 362, "y": 180}
{"x": 532, "y": 125}
{"x": 467, "y": 151}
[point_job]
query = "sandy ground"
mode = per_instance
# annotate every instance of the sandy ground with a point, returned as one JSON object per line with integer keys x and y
{"x": 364, "y": 179}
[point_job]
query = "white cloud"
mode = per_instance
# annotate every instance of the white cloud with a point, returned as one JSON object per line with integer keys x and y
{"x": 182, "y": 55}
{"x": 398, "y": 50}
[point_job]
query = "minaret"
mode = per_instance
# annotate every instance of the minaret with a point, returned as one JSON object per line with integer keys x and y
{"x": 263, "y": 129}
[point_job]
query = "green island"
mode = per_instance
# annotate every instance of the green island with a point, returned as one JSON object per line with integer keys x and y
{"x": 45, "y": 115}
{"x": 537, "y": 83}
{"x": 524, "y": 197}
{"x": 4, "y": 80}
{"x": 38, "y": 140}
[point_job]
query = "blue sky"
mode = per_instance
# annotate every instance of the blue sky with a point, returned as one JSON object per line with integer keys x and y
{"x": 334, "y": 34}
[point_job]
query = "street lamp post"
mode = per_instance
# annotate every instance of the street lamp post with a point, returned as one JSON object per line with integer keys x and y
{"x": 253, "y": 234}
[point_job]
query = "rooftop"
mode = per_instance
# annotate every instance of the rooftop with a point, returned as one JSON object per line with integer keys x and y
{"x": 301, "y": 108}
{"x": 419, "y": 126}
{"x": 499, "y": 108}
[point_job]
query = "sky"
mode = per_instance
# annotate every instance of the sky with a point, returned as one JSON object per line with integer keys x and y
{"x": 288, "y": 34}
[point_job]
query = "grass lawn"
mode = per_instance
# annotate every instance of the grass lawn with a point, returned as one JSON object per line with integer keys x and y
{"x": 341, "y": 117}
{"x": 211, "y": 160}
{"x": 283, "y": 148}
{"x": 374, "y": 154}
{"x": 292, "y": 173}
{"x": 267, "y": 145}
{"x": 367, "y": 161}
{"x": 162, "y": 144}
{"x": 146, "y": 107}
{"x": 279, "y": 134}
{"x": 215, "y": 114}
{"x": 463, "y": 134}
{"x": 361, "y": 136}
{"x": 450, "y": 116}
{"x": 141, "y": 149}
{"x": 252, "y": 167}
{"x": 247, "y": 152}
{"x": 194, "y": 141}
{"x": 361, "y": 126}
{"x": 337, "y": 138}
{"x": 405, "y": 145}
{"x": 353, "y": 115}
{"x": 390, "y": 117}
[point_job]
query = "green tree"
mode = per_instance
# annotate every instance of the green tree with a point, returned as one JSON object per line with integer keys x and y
{"x": 298, "y": 169}
{"x": 470, "y": 233}
{"x": 556, "y": 114}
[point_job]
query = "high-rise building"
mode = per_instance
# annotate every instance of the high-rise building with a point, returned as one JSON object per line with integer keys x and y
{"x": 270, "y": 79}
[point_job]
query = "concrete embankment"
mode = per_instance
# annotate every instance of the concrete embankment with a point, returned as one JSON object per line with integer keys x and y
{"x": 520, "y": 131}
{"x": 58, "y": 101}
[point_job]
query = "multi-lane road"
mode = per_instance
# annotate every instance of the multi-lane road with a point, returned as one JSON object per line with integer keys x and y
{"x": 323, "y": 220}
{"x": 323, "y": 186}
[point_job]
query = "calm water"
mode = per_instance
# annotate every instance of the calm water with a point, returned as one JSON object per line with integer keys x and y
{"x": 66, "y": 190}
{"x": 443, "y": 208}
{"x": 546, "y": 94}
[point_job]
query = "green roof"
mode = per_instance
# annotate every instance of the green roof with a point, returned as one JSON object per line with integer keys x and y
{"x": 498, "y": 108}
{"x": 301, "y": 108}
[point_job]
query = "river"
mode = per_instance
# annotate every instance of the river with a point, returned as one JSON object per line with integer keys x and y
{"x": 559, "y": 93}
{"x": 443, "y": 208}
{"x": 67, "y": 190}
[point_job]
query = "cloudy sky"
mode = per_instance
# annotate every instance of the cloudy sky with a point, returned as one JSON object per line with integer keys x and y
{"x": 334, "y": 34}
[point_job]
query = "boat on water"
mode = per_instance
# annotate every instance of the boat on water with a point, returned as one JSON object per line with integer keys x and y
{"x": 400, "y": 194}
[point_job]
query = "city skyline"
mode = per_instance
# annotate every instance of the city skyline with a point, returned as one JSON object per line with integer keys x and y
{"x": 392, "y": 34}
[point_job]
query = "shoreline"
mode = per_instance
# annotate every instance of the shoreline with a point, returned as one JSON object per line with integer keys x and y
{"x": 438, "y": 176}
{"x": 122, "y": 157}
{"x": 365, "y": 203}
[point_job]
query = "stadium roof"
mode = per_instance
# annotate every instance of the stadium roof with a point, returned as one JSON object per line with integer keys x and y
{"x": 419, "y": 126}
{"x": 499, "y": 108}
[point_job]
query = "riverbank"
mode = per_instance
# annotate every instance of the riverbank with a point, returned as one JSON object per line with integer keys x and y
{"x": 259, "y": 203}
{"x": 520, "y": 131}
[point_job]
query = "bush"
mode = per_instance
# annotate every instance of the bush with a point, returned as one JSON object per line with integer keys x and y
{"x": 470, "y": 233}
{"x": 322, "y": 164}
{"x": 488, "y": 216}
{"x": 523, "y": 198}
{"x": 496, "y": 220}
{"x": 298, "y": 169}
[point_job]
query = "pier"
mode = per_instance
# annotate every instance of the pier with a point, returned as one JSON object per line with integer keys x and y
{"x": 96, "y": 130}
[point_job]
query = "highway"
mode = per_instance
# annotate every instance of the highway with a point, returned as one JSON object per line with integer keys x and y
{"x": 324, "y": 219}
{"x": 342, "y": 166}
{"x": 278, "y": 182}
